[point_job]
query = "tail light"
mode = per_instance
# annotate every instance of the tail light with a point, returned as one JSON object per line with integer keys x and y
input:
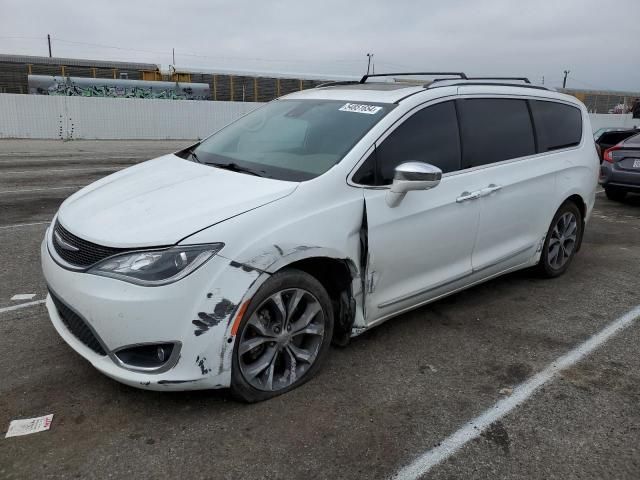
{"x": 608, "y": 153}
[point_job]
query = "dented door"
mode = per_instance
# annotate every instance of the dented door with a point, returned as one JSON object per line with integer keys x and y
{"x": 419, "y": 248}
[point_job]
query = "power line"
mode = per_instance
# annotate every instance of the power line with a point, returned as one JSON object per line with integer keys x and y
{"x": 20, "y": 37}
{"x": 197, "y": 55}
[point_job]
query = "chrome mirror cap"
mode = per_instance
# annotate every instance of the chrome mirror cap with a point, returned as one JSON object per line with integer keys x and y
{"x": 415, "y": 176}
{"x": 412, "y": 176}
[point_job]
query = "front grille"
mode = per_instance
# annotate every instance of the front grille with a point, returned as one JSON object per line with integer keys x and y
{"x": 87, "y": 254}
{"x": 77, "y": 326}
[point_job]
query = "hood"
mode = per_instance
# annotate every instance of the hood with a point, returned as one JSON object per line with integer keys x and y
{"x": 161, "y": 201}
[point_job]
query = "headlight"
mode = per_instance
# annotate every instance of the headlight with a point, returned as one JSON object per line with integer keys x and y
{"x": 156, "y": 267}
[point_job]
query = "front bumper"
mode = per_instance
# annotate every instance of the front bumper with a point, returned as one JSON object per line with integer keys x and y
{"x": 122, "y": 314}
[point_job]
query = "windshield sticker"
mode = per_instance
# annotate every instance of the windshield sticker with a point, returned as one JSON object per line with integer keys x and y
{"x": 360, "y": 108}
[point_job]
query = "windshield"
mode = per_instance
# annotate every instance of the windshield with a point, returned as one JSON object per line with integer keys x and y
{"x": 292, "y": 140}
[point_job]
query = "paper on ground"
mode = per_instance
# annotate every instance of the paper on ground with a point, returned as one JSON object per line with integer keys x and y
{"x": 23, "y": 296}
{"x": 29, "y": 425}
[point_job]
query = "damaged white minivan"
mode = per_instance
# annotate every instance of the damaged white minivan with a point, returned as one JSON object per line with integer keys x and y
{"x": 236, "y": 262}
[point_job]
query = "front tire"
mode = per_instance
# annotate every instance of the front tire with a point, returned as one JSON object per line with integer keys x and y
{"x": 561, "y": 241}
{"x": 283, "y": 337}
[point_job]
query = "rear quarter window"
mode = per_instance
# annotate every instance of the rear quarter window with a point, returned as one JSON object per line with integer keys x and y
{"x": 557, "y": 125}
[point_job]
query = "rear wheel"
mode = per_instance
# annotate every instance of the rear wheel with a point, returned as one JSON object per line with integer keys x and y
{"x": 283, "y": 337}
{"x": 561, "y": 241}
{"x": 615, "y": 194}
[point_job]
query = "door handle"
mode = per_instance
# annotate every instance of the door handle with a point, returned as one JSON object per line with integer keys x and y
{"x": 489, "y": 190}
{"x": 466, "y": 196}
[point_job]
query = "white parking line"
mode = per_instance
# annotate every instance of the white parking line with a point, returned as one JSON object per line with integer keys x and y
{"x": 19, "y": 225}
{"x": 521, "y": 393}
{"x": 22, "y": 305}
{"x": 15, "y": 172}
{"x": 40, "y": 189}
{"x": 23, "y": 296}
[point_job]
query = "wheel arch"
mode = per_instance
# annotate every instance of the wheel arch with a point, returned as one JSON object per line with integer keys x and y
{"x": 337, "y": 276}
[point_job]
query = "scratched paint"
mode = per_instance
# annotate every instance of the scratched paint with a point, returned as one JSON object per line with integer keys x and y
{"x": 223, "y": 309}
{"x": 200, "y": 363}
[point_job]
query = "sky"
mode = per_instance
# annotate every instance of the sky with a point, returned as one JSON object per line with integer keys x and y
{"x": 598, "y": 41}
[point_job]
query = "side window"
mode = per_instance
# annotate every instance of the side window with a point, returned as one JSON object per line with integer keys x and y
{"x": 494, "y": 129}
{"x": 429, "y": 135}
{"x": 557, "y": 125}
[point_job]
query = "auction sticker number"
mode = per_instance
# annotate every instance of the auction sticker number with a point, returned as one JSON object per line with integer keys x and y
{"x": 360, "y": 108}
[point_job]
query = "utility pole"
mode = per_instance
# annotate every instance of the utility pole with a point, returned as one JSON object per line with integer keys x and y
{"x": 173, "y": 55}
{"x": 49, "y": 42}
{"x": 542, "y": 79}
{"x": 369, "y": 58}
{"x": 564, "y": 81}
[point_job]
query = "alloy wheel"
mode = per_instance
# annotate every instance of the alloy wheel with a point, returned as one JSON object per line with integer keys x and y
{"x": 281, "y": 340}
{"x": 563, "y": 240}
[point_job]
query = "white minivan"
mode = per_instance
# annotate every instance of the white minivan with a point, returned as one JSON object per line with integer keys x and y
{"x": 236, "y": 262}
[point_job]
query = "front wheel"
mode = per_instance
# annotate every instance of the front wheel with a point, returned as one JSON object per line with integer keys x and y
{"x": 283, "y": 336}
{"x": 561, "y": 242}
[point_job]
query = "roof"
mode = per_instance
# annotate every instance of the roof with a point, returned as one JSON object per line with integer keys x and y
{"x": 76, "y": 62}
{"x": 358, "y": 92}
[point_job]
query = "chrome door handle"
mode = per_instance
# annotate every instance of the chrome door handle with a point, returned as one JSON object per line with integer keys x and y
{"x": 489, "y": 190}
{"x": 466, "y": 196}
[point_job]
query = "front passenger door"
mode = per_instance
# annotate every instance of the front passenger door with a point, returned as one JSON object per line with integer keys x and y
{"x": 422, "y": 246}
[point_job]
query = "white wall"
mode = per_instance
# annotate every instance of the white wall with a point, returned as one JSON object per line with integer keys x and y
{"x": 41, "y": 116}
{"x": 601, "y": 120}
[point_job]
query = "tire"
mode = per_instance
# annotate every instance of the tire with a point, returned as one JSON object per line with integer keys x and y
{"x": 615, "y": 194}
{"x": 290, "y": 343}
{"x": 561, "y": 242}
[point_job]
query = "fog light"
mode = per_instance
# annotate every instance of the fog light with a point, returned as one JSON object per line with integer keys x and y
{"x": 150, "y": 356}
{"x": 161, "y": 354}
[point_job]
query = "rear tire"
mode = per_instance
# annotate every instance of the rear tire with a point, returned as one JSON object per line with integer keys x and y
{"x": 283, "y": 337}
{"x": 561, "y": 242}
{"x": 615, "y": 194}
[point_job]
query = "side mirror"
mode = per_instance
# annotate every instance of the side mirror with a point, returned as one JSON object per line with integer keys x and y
{"x": 412, "y": 176}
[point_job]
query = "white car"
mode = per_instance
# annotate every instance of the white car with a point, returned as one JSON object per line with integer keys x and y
{"x": 236, "y": 262}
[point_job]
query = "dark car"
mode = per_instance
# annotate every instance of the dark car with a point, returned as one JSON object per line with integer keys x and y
{"x": 607, "y": 138}
{"x": 620, "y": 169}
{"x": 610, "y": 137}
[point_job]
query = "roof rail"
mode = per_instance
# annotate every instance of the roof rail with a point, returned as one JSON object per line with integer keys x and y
{"x": 336, "y": 83}
{"x": 494, "y": 84}
{"x": 404, "y": 74}
{"x": 520, "y": 79}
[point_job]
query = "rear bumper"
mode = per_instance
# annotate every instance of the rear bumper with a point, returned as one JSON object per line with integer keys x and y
{"x": 612, "y": 176}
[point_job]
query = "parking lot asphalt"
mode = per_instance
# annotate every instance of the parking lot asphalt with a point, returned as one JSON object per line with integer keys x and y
{"x": 392, "y": 394}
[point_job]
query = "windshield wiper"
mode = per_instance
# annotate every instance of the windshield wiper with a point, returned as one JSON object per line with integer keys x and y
{"x": 234, "y": 167}
{"x": 192, "y": 153}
